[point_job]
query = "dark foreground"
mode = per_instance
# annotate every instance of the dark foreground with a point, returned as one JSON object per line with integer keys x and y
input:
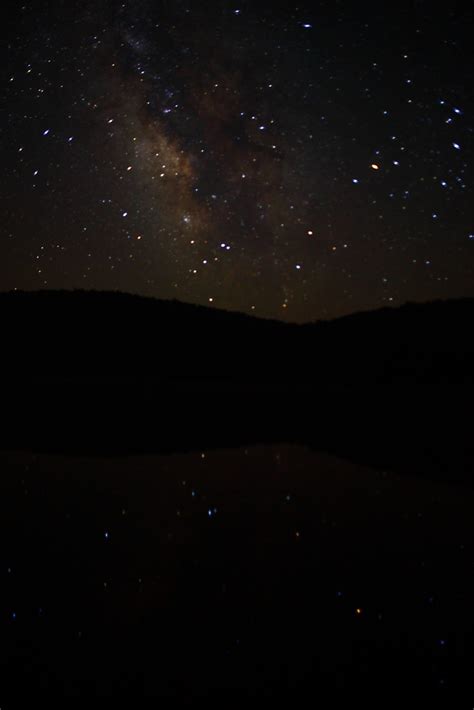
{"x": 262, "y": 572}
{"x": 158, "y": 540}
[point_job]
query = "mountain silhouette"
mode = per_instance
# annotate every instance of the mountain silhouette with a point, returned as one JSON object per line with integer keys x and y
{"x": 101, "y": 371}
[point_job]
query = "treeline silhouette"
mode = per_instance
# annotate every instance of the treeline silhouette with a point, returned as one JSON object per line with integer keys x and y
{"x": 101, "y": 372}
{"x": 79, "y": 333}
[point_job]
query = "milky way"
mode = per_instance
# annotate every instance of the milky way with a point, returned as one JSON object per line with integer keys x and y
{"x": 293, "y": 161}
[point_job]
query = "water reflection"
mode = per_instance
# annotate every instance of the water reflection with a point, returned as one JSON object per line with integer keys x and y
{"x": 257, "y": 569}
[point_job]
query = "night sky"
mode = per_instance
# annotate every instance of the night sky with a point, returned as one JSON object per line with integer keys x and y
{"x": 298, "y": 161}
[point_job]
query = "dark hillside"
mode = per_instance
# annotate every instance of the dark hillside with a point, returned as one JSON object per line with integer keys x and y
{"x": 111, "y": 372}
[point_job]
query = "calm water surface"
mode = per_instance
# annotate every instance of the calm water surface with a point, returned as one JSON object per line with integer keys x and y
{"x": 257, "y": 571}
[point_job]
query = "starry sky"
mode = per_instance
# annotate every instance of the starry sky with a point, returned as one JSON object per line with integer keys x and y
{"x": 295, "y": 161}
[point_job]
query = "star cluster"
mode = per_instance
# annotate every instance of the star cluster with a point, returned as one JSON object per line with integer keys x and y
{"x": 293, "y": 161}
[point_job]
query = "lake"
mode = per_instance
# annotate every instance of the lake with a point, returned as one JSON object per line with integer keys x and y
{"x": 258, "y": 572}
